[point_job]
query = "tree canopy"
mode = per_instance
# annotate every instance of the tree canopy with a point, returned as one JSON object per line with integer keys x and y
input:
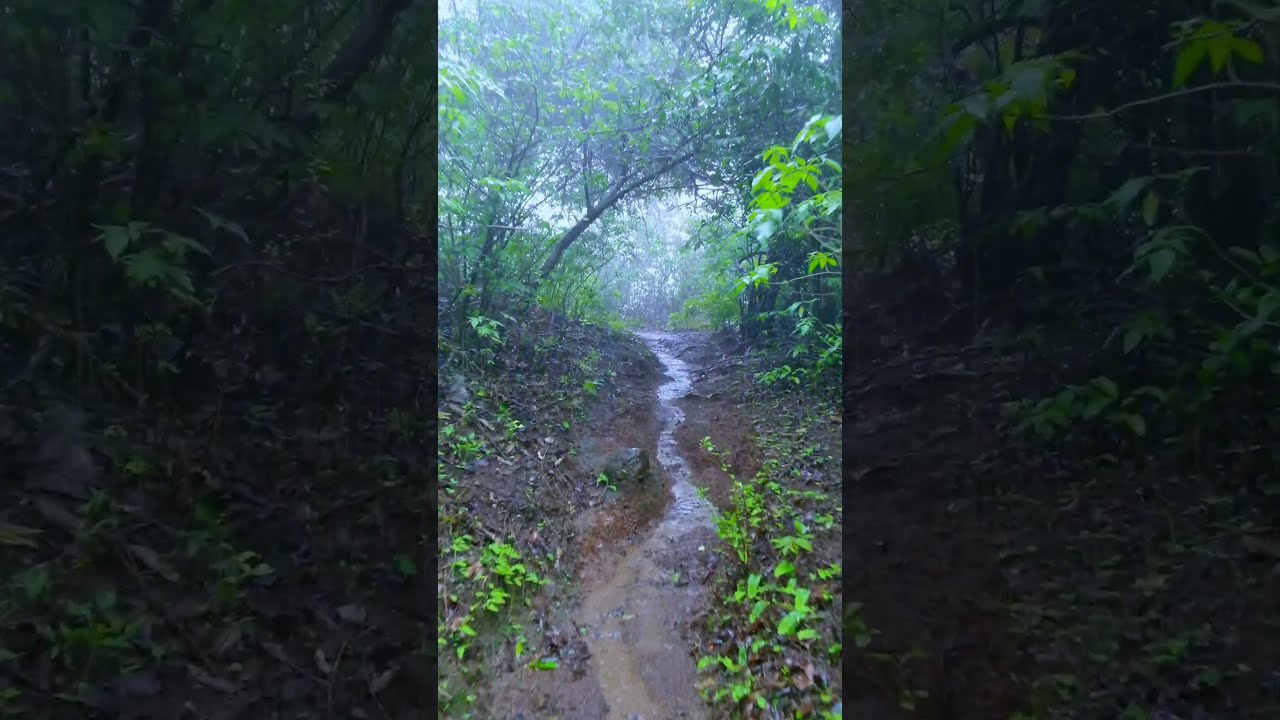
{"x": 626, "y": 158}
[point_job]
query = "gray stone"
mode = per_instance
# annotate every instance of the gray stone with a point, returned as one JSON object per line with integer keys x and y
{"x": 630, "y": 465}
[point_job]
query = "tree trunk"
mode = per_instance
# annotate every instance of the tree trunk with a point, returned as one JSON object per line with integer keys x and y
{"x": 595, "y": 211}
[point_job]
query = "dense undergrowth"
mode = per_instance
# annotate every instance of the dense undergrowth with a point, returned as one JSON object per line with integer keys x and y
{"x": 215, "y": 332}
{"x": 1065, "y": 353}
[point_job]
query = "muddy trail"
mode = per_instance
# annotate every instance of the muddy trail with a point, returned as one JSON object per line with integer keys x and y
{"x": 636, "y": 590}
{"x": 638, "y": 608}
{"x": 641, "y": 662}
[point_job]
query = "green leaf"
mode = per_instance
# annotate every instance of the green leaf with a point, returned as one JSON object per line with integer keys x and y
{"x": 802, "y": 600}
{"x": 115, "y": 239}
{"x": 179, "y": 244}
{"x": 762, "y": 181}
{"x": 1247, "y": 50}
{"x": 1132, "y": 338}
{"x": 1150, "y": 207}
{"x": 1245, "y": 254}
{"x": 1134, "y": 422}
{"x": 784, "y": 568}
{"x": 220, "y": 223}
{"x": 1125, "y": 194}
{"x": 1219, "y": 48}
{"x": 770, "y": 201}
{"x": 1161, "y": 263}
{"x": 787, "y": 625}
{"x": 1188, "y": 60}
{"x": 835, "y": 124}
{"x": 1095, "y": 405}
{"x": 977, "y": 106}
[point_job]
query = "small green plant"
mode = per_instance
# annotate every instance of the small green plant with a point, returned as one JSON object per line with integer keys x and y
{"x": 604, "y": 481}
{"x": 776, "y": 594}
{"x": 35, "y": 583}
{"x": 486, "y": 328}
{"x": 494, "y": 579}
{"x": 741, "y": 683}
{"x": 153, "y": 257}
{"x": 235, "y": 571}
{"x": 794, "y": 544}
{"x": 95, "y": 637}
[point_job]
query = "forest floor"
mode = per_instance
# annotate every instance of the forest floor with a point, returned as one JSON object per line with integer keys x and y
{"x": 253, "y": 551}
{"x": 632, "y": 575}
{"x": 1001, "y": 578}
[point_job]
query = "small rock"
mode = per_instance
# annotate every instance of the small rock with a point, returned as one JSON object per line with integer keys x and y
{"x": 632, "y": 464}
{"x": 456, "y": 389}
{"x": 352, "y": 613}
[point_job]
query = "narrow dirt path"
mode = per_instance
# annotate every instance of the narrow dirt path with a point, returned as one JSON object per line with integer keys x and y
{"x": 642, "y": 558}
{"x": 634, "y": 617}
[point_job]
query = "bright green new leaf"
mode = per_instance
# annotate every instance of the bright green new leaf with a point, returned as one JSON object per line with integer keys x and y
{"x": 1188, "y": 60}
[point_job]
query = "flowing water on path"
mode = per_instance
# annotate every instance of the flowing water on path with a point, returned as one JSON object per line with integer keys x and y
{"x": 633, "y": 619}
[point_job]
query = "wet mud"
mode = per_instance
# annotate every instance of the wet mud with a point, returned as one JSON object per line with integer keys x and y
{"x": 634, "y": 618}
{"x": 645, "y": 558}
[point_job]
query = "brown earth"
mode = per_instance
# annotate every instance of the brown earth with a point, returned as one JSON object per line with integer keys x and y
{"x": 624, "y": 587}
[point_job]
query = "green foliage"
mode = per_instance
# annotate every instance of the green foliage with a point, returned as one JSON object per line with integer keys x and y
{"x": 152, "y": 257}
{"x": 493, "y": 577}
{"x": 486, "y": 328}
{"x": 776, "y": 594}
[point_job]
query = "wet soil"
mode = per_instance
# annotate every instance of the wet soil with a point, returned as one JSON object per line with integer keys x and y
{"x": 644, "y": 557}
{"x": 633, "y": 618}
{"x": 647, "y": 591}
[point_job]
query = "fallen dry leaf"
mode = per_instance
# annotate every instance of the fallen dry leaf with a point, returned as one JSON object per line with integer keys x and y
{"x": 322, "y": 663}
{"x": 380, "y": 682}
{"x": 153, "y": 561}
{"x": 204, "y": 678}
{"x": 58, "y": 515}
{"x": 1264, "y": 546}
{"x": 17, "y": 535}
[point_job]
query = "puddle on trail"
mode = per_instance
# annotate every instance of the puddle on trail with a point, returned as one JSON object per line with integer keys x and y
{"x": 633, "y": 619}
